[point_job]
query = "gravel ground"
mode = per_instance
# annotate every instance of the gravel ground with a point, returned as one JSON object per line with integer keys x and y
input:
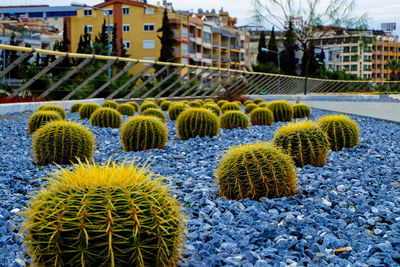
{"x": 351, "y": 202}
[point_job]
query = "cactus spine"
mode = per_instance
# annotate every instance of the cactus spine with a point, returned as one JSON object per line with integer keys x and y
{"x": 213, "y": 107}
{"x": 234, "y": 119}
{"x": 230, "y": 106}
{"x": 62, "y": 142}
{"x": 301, "y": 111}
{"x": 220, "y": 103}
{"x": 109, "y": 215}
{"x": 197, "y": 122}
{"x": 195, "y": 104}
{"x": 304, "y": 141}
{"x": 86, "y": 110}
{"x": 160, "y": 100}
{"x": 146, "y": 105}
{"x": 342, "y": 131}
{"x": 134, "y": 105}
{"x": 155, "y": 112}
{"x": 257, "y": 101}
{"x": 106, "y": 117}
{"x": 165, "y": 105}
{"x": 175, "y": 109}
{"x": 261, "y": 116}
{"x": 40, "y": 118}
{"x": 250, "y": 107}
{"x": 143, "y": 133}
{"x": 55, "y": 108}
{"x": 126, "y": 109}
{"x": 255, "y": 171}
{"x": 281, "y": 109}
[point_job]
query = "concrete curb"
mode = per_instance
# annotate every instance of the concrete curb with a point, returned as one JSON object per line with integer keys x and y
{"x": 33, "y": 106}
{"x": 338, "y": 97}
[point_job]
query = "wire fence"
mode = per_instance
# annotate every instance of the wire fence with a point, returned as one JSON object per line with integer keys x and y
{"x": 59, "y": 75}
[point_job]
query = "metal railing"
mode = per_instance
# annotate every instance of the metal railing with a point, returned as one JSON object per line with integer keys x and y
{"x": 59, "y": 75}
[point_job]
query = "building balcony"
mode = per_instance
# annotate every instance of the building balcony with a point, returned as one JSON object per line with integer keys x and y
{"x": 199, "y": 55}
{"x": 199, "y": 40}
{"x": 208, "y": 56}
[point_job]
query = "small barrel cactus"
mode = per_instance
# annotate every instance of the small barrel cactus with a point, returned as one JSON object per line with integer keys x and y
{"x": 304, "y": 141}
{"x": 262, "y": 105}
{"x": 160, "y": 100}
{"x": 250, "y": 107}
{"x": 257, "y": 101}
{"x": 86, "y": 110}
{"x": 104, "y": 215}
{"x": 229, "y": 106}
{"x": 197, "y": 122}
{"x": 55, "y": 108}
{"x": 238, "y": 102}
{"x": 146, "y": 105}
{"x": 234, "y": 119}
{"x": 40, "y": 118}
{"x": 62, "y": 142}
{"x": 134, "y": 105}
{"x": 213, "y": 107}
{"x": 220, "y": 103}
{"x": 301, "y": 111}
{"x": 342, "y": 131}
{"x": 176, "y": 109}
{"x": 282, "y": 110}
{"x": 165, "y": 105}
{"x": 75, "y": 107}
{"x": 143, "y": 133}
{"x": 261, "y": 116}
{"x": 126, "y": 109}
{"x": 106, "y": 117}
{"x": 195, "y": 104}
{"x": 155, "y": 112}
{"x": 209, "y": 100}
{"x": 110, "y": 104}
{"x": 247, "y": 102}
{"x": 150, "y": 100}
{"x": 255, "y": 171}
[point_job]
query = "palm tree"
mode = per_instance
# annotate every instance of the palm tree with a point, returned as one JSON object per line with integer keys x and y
{"x": 394, "y": 66}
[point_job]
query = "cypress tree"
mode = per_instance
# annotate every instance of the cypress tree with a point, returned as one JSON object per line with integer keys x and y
{"x": 262, "y": 55}
{"x": 167, "y": 43}
{"x": 114, "y": 41}
{"x": 101, "y": 40}
{"x": 313, "y": 65}
{"x": 288, "y": 55}
{"x": 271, "y": 56}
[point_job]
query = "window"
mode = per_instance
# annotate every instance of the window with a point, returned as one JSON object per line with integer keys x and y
{"x": 185, "y": 61}
{"x": 185, "y": 49}
{"x": 149, "y": 11}
{"x": 365, "y": 76}
{"x": 346, "y": 49}
{"x": 354, "y": 49}
{"x": 366, "y": 67}
{"x": 148, "y": 44}
{"x": 125, "y": 11}
{"x": 207, "y": 37}
{"x": 353, "y": 67}
{"x": 346, "y": 67}
{"x": 148, "y": 27}
{"x": 185, "y": 32}
{"x": 346, "y": 59}
{"x": 148, "y": 58}
{"x": 125, "y": 27}
{"x": 108, "y": 11}
{"x": 87, "y": 12}
{"x": 192, "y": 48}
{"x": 88, "y": 29}
{"x": 354, "y": 58}
{"x": 127, "y": 44}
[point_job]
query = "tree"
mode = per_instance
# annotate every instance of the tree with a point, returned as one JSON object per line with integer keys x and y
{"x": 394, "y": 66}
{"x": 288, "y": 55}
{"x": 311, "y": 17}
{"x": 102, "y": 40}
{"x": 271, "y": 56}
{"x": 262, "y": 55}
{"x": 309, "y": 58}
{"x": 167, "y": 43}
{"x": 114, "y": 41}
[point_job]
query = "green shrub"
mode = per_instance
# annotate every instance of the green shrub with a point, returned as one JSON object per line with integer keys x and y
{"x": 176, "y": 109}
{"x": 257, "y": 101}
{"x": 261, "y": 116}
{"x": 234, "y": 119}
{"x": 213, "y": 107}
{"x": 143, "y": 133}
{"x": 126, "y": 109}
{"x": 195, "y": 104}
{"x": 40, "y": 118}
{"x": 146, "y": 105}
{"x": 220, "y": 103}
{"x": 110, "y": 104}
{"x": 55, "y": 108}
{"x": 165, "y": 105}
{"x": 62, "y": 142}
{"x": 301, "y": 111}
{"x": 255, "y": 171}
{"x": 281, "y": 109}
{"x": 106, "y": 117}
{"x": 229, "y": 106}
{"x": 342, "y": 131}
{"x": 250, "y": 107}
{"x": 109, "y": 215}
{"x": 197, "y": 122}
{"x": 155, "y": 112}
{"x": 75, "y": 107}
{"x": 134, "y": 105}
{"x": 304, "y": 141}
{"x": 86, "y": 110}
{"x": 160, "y": 100}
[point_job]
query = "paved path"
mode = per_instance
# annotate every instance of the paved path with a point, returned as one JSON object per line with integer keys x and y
{"x": 381, "y": 110}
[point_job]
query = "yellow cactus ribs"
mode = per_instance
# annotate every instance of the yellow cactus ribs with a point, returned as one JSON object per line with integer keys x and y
{"x": 255, "y": 171}
{"x": 301, "y": 111}
{"x": 197, "y": 122}
{"x": 106, "y": 117}
{"x": 110, "y": 215}
{"x": 86, "y": 110}
{"x": 175, "y": 109}
{"x": 281, "y": 109}
{"x": 155, "y": 112}
{"x": 126, "y": 109}
{"x": 234, "y": 119}
{"x": 230, "y": 106}
{"x": 40, "y": 118}
{"x": 304, "y": 141}
{"x": 261, "y": 116}
{"x": 110, "y": 104}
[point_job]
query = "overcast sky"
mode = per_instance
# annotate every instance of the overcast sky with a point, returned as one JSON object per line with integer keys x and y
{"x": 378, "y": 10}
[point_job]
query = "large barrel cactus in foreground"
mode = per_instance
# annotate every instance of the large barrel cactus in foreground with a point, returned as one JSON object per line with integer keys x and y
{"x": 197, "y": 122}
{"x": 143, "y": 132}
{"x": 342, "y": 131}
{"x": 40, "y": 118}
{"x": 110, "y": 215}
{"x": 255, "y": 171}
{"x": 62, "y": 142}
{"x": 304, "y": 141}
